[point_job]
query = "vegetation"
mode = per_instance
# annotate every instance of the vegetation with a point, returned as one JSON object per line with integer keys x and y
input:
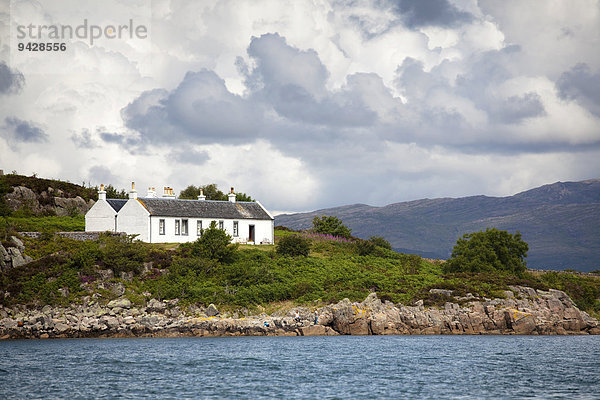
{"x": 113, "y": 193}
{"x": 492, "y": 250}
{"x": 212, "y": 192}
{"x": 43, "y": 224}
{"x": 380, "y": 242}
{"x": 301, "y": 268}
{"x": 329, "y": 225}
{"x": 214, "y": 244}
{"x": 293, "y": 246}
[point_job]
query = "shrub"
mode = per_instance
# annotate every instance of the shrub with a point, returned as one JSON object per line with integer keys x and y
{"x": 380, "y": 242}
{"x": 293, "y": 245}
{"x": 214, "y": 244}
{"x": 492, "y": 250}
{"x": 364, "y": 247}
{"x": 329, "y": 225}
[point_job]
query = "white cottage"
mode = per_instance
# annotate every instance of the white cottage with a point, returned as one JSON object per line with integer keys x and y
{"x": 167, "y": 219}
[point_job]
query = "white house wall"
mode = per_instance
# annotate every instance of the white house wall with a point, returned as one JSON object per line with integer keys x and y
{"x": 133, "y": 219}
{"x": 101, "y": 217}
{"x": 263, "y": 229}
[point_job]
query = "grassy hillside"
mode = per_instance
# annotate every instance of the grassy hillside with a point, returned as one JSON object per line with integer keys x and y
{"x": 561, "y": 223}
{"x": 67, "y": 270}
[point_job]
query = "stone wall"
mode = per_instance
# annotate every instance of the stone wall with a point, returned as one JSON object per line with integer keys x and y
{"x": 73, "y": 235}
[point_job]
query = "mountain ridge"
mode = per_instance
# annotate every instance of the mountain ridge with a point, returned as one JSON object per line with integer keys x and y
{"x": 560, "y": 221}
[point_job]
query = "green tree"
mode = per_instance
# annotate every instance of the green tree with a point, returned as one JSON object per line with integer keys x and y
{"x": 380, "y": 242}
{"x": 293, "y": 245}
{"x": 113, "y": 193}
{"x": 492, "y": 250}
{"x": 214, "y": 244}
{"x": 329, "y": 225}
{"x": 212, "y": 192}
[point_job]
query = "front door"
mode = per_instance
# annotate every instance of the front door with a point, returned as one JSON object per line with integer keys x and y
{"x": 251, "y": 234}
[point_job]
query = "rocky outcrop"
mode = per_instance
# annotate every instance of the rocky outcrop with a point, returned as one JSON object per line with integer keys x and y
{"x": 12, "y": 255}
{"x": 48, "y": 202}
{"x": 524, "y": 311}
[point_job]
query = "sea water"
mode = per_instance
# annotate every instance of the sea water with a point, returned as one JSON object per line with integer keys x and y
{"x": 344, "y": 367}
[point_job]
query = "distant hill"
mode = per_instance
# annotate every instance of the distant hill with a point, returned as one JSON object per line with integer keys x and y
{"x": 560, "y": 221}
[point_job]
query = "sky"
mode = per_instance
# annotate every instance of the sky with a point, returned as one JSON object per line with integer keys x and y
{"x": 304, "y": 104}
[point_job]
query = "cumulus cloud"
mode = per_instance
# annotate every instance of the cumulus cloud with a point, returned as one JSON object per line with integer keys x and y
{"x": 11, "y": 81}
{"x": 581, "y": 85}
{"x": 308, "y": 103}
{"x": 19, "y": 131}
{"x": 418, "y": 13}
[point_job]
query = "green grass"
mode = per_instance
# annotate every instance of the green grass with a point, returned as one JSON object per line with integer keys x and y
{"x": 43, "y": 224}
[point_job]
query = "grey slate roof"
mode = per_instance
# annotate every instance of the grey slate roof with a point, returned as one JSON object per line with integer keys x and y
{"x": 203, "y": 209}
{"x": 116, "y": 204}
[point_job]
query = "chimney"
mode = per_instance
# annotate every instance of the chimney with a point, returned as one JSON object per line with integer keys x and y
{"x": 132, "y": 192}
{"x": 102, "y": 192}
{"x": 201, "y": 196}
{"x": 168, "y": 192}
{"x": 151, "y": 192}
{"x": 231, "y": 196}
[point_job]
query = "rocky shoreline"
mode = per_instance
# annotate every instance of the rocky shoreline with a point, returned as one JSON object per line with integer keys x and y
{"x": 523, "y": 311}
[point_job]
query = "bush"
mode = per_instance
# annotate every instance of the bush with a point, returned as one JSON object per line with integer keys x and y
{"x": 329, "y": 225}
{"x": 364, "y": 247}
{"x": 380, "y": 242}
{"x": 293, "y": 245}
{"x": 492, "y": 250}
{"x": 214, "y": 244}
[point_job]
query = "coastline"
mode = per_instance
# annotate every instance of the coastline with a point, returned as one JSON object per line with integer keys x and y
{"x": 523, "y": 311}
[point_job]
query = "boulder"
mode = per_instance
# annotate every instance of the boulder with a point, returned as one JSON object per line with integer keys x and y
{"x": 120, "y": 303}
{"x": 16, "y": 257}
{"x": 212, "y": 310}
{"x": 317, "y": 330}
{"x": 18, "y": 243}
{"x": 155, "y": 306}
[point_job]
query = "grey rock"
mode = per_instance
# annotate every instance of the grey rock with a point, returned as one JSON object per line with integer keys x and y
{"x": 212, "y": 310}
{"x": 155, "y": 306}
{"x": 127, "y": 276}
{"x": 441, "y": 291}
{"x": 118, "y": 289}
{"x": 120, "y": 303}
{"x": 18, "y": 243}
{"x": 106, "y": 274}
{"x": 16, "y": 258}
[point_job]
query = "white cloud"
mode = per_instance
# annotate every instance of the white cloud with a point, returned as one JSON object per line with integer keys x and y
{"x": 339, "y": 102}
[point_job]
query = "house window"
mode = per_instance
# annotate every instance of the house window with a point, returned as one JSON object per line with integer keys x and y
{"x": 221, "y": 225}
{"x": 184, "y": 227}
{"x": 161, "y": 226}
{"x": 177, "y": 227}
{"x": 235, "y": 228}
{"x": 199, "y": 228}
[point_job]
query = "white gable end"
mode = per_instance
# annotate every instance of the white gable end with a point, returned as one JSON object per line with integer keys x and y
{"x": 134, "y": 219}
{"x": 101, "y": 217}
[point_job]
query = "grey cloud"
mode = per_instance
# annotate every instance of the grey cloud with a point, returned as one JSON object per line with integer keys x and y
{"x": 581, "y": 85}
{"x": 517, "y": 108}
{"x": 10, "y": 81}
{"x": 200, "y": 108}
{"x": 101, "y": 174}
{"x": 293, "y": 82}
{"x": 418, "y": 13}
{"x": 17, "y": 130}
{"x": 84, "y": 140}
{"x": 188, "y": 156}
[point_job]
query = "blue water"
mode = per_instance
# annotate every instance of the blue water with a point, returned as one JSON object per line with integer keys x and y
{"x": 349, "y": 367}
